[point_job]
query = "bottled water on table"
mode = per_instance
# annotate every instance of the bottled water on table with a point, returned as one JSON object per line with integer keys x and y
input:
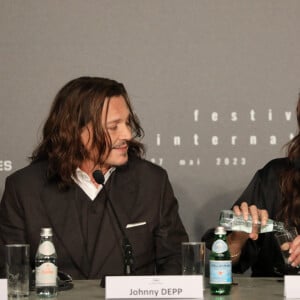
{"x": 231, "y": 222}
{"x": 220, "y": 265}
{"x": 46, "y": 266}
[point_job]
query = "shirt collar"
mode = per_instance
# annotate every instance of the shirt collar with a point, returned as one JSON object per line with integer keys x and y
{"x": 83, "y": 180}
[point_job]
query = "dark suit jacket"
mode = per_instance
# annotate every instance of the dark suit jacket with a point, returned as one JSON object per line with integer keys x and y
{"x": 140, "y": 191}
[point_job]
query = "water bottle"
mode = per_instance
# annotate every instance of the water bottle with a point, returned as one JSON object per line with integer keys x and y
{"x": 231, "y": 222}
{"x": 220, "y": 265}
{"x": 46, "y": 266}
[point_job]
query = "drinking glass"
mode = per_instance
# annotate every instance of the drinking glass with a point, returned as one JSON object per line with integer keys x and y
{"x": 284, "y": 240}
{"x": 193, "y": 258}
{"x": 17, "y": 270}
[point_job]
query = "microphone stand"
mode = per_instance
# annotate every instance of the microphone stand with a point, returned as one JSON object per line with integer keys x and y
{"x": 126, "y": 245}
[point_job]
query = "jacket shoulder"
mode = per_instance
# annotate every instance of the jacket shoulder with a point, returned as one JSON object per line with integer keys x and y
{"x": 277, "y": 164}
{"x": 144, "y": 165}
{"x": 35, "y": 170}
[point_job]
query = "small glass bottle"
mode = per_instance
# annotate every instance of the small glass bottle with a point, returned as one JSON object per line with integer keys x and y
{"x": 231, "y": 222}
{"x": 46, "y": 266}
{"x": 220, "y": 265}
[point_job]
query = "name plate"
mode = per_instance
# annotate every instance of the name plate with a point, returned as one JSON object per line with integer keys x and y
{"x": 292, "y": 286}
{"x": 3, "y": 288}
{"x": 141, "y": 287}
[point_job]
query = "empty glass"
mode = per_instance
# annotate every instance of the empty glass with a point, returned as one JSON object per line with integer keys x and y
{"x": 193, "y": 258}
{"x": 17, "y": 270}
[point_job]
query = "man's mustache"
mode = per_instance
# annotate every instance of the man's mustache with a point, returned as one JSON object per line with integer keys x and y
{"x": 120, "y": 145}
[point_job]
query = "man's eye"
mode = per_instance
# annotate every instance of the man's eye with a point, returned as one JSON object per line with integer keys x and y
{"x": 112, "y": 128}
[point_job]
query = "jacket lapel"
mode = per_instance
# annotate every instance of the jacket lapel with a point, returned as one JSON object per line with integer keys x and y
{"x": 122, "y": 190}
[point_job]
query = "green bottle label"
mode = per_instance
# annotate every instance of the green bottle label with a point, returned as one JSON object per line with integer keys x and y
{"x": 219, "y": 246}
{"x": 220, "y": 271}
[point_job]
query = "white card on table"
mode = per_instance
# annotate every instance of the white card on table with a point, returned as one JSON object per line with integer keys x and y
{"x": 142, "y": 287}
{"x": 292, "y": 286}
{"x": 3, "y": 288}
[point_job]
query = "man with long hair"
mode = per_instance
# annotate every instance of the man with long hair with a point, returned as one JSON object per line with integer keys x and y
{"x": 92, "y": 126}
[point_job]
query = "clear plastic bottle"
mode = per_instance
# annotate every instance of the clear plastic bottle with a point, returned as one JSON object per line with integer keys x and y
{"x": 231, "y": 222}
{"x": 46, "y": 266}
{"x": 220, "y": 265}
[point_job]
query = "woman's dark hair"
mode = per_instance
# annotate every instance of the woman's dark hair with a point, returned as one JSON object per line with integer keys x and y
{"x": 289, "y": 211}
{"x": 78, "y": 103}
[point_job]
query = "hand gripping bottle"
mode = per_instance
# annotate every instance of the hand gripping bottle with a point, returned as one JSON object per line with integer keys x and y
{"x": 231, "y": 222}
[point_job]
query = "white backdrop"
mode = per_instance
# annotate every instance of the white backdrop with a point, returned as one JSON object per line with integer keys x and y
{"x": 215, "y": 83}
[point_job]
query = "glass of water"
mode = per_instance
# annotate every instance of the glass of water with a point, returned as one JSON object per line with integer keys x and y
{"x": 284, "y": 240}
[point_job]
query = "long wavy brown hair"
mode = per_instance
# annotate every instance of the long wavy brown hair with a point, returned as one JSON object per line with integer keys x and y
{"x": 78, "y": 103}
{"x": 289, "y": 211}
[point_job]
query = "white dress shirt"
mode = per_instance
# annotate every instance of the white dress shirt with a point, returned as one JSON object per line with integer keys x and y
{"x": 85, "y": 183}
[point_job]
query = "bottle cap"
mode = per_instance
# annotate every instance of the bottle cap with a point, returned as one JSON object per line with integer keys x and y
{"x": 46, "y": 231}
{"x": 220, "y": 230}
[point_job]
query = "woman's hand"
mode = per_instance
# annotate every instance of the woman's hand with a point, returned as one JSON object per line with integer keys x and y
{"x": 258, "y": 216}
{"x": 294, "y": 251}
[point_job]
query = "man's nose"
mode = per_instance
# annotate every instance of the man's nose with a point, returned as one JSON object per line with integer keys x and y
{"x": 126, "y": 132}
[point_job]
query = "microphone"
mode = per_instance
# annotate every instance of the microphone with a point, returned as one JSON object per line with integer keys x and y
{"x": 127, "y": 248}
